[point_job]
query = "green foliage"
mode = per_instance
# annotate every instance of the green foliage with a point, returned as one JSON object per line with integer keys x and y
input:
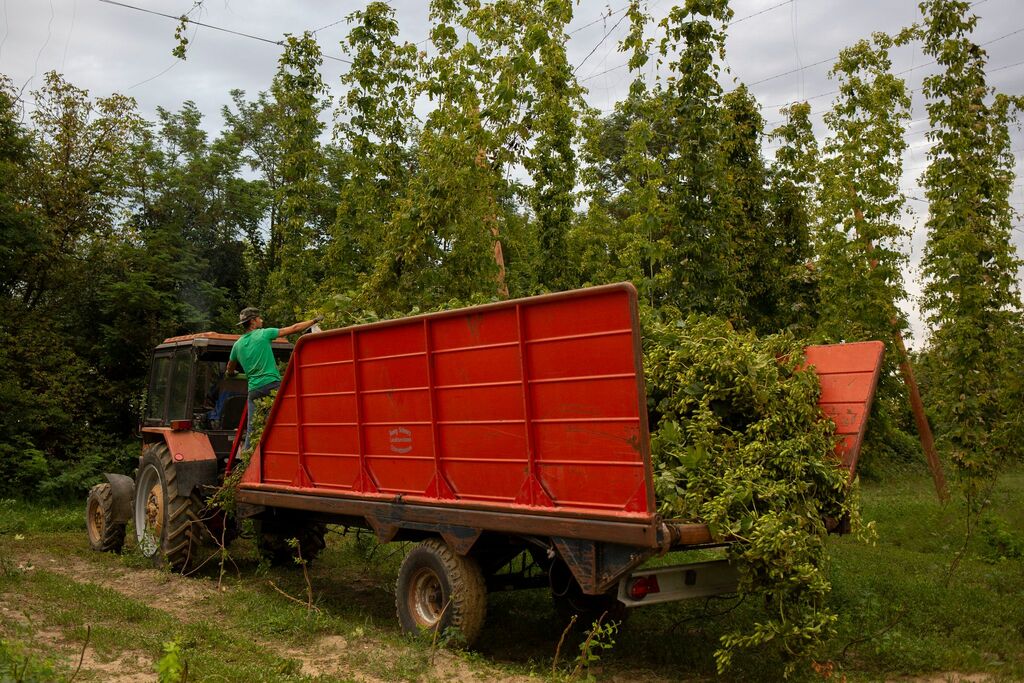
{"x": 600, "y": 640}
{"x": 552, "y": 163}
{"x": 374, "y": 122}
{"x": 970, "y": 266}
{"x": 172, "y": 667}
{"x": 860, "y": 237}
{"x": 1002, "y": 542}
{"x": 740, "y": 444}
{"x": 792, "y": 199}
{"x": 298, "y": 90}
{"x": 19, "y": 663}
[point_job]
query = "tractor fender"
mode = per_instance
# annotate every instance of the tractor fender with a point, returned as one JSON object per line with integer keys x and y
{"x": 195, "y": 462}
{"x": 123, "y": 490}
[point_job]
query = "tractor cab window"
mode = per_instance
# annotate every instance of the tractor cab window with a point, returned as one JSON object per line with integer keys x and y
{"x": 178, "y": 404}
{"x": 156, "y": 400}
{"x": 217, "y": 400}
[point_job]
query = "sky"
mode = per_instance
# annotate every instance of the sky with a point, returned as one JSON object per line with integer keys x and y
{"x": 781, "y": 49}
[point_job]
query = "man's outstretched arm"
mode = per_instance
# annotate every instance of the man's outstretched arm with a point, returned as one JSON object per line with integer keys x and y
{"x": 298, "y": 327}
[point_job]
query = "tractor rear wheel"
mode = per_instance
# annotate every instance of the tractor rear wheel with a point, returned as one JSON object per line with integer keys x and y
{"x": 273, "y": 536}
{"x": 439, "y": 589}
{"x": 105, "y": 535}
{"x": 167, "y": 523}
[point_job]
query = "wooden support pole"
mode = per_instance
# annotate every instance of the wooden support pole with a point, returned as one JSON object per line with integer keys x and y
{"x": 924, "y": 430}
{"x": 499, "y": 258}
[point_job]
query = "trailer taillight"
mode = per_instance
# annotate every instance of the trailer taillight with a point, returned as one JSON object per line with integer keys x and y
{"x": 642, "y": 586}
{"x": 181, "y": 425}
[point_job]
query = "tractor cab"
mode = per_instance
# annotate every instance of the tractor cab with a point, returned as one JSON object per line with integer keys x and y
{"x": 188, "y": 390}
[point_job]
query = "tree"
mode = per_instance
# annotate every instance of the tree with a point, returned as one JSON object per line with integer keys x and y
{"x": 970, "y": 292}
{"x": 374, "y": 123}
{"x": 67, "y": 189}
{"x": 445, "y": 239}
{"x": 769, "y": 259}
{"x": 552, "y": 162}
{"x": 665, "y": 182}
{"x": 298, "y": 91}
{"x": 860, "y": 235}
{"x": 793, "y": 198}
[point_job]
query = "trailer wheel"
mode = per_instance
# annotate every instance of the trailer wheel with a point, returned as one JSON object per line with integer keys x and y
{"x": 167, "y": 523}
{"x": 272, "y": 540}
{"x": 105, "y": 535}
{"x": 440, "y": 589}
{"x": 570, "y": 600}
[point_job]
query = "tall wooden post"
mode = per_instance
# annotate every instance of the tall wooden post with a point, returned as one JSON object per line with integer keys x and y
{"x": 924, "y": 430}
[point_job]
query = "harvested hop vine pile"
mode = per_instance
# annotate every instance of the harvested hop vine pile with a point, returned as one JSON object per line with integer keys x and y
{"x": 739, "y": 444}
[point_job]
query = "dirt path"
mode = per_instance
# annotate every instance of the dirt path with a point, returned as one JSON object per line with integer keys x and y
{"x": 190, "y": 599}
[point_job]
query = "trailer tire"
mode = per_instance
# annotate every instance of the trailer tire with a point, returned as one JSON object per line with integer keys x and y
{"x": 167, "y": 523}
{"x": 570, "y": 600}
{"x": 105, "y": 535}
{"x": 272, "y": 541}
{"x": 439, "y": 589}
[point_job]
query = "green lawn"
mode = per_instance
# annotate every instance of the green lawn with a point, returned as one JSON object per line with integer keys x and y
{"x": 901, "y": 611}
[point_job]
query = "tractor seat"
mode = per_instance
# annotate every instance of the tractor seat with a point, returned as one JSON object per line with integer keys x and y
{"x": 231, "y": 413}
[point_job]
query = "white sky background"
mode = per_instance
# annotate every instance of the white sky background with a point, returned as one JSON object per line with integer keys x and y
{"x": 772, "y": 44}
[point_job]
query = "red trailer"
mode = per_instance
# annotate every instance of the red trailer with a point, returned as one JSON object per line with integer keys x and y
{"x": 511, "y": 430}
{"x": 510, "y": 440}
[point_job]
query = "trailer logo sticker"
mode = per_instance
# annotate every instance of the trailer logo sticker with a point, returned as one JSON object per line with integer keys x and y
{"x": 401, "y": 440}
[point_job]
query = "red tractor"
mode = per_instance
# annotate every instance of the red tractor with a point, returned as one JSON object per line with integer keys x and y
{"x": 189, "y": 427}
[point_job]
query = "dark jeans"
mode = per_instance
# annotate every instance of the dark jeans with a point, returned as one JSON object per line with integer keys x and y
{"x": 265, "y": 390}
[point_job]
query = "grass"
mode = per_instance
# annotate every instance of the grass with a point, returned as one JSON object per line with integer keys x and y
{"x": 901, "y": 610}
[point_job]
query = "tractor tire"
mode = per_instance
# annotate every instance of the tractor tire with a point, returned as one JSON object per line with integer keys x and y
{"x": 105, "y": 535}
{"x": 272, "y": 541}
{"x": 570, "y": 601}
{"x": 439, "y": 589}
{"x": 217, "y": 525}
{"x": 167, "y": 523}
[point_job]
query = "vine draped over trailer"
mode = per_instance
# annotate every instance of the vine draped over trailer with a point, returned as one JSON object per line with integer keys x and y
{"x": 740, "y": 444}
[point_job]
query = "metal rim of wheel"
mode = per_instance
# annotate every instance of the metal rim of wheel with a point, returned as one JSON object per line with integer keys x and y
{"x": 95, "y": 521}
{"x": 426, "y": 599}
{"x": 149, "y": 511}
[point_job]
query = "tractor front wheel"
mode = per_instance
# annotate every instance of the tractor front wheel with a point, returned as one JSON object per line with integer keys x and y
{"x": 439, "y": 589}
{"x": 105, "y": 535}
{"x": 167, "y": 523}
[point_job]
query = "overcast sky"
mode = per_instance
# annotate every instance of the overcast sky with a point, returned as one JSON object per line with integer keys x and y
{"x": 774, "y": 46}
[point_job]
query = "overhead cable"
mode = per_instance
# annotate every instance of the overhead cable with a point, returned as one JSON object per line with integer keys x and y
{"x": 186, "y": 20}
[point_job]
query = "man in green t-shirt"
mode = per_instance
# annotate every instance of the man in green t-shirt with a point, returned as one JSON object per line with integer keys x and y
{"x": 256, "y": 357}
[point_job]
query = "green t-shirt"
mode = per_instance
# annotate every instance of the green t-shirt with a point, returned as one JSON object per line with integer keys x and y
{"x": 254, "y": 354}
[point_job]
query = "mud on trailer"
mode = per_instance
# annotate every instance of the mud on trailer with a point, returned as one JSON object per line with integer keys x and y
{"x": 509, "y": 440}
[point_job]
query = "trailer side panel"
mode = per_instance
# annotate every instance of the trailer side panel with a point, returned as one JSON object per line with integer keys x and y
{"x": 532, "y": 404}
